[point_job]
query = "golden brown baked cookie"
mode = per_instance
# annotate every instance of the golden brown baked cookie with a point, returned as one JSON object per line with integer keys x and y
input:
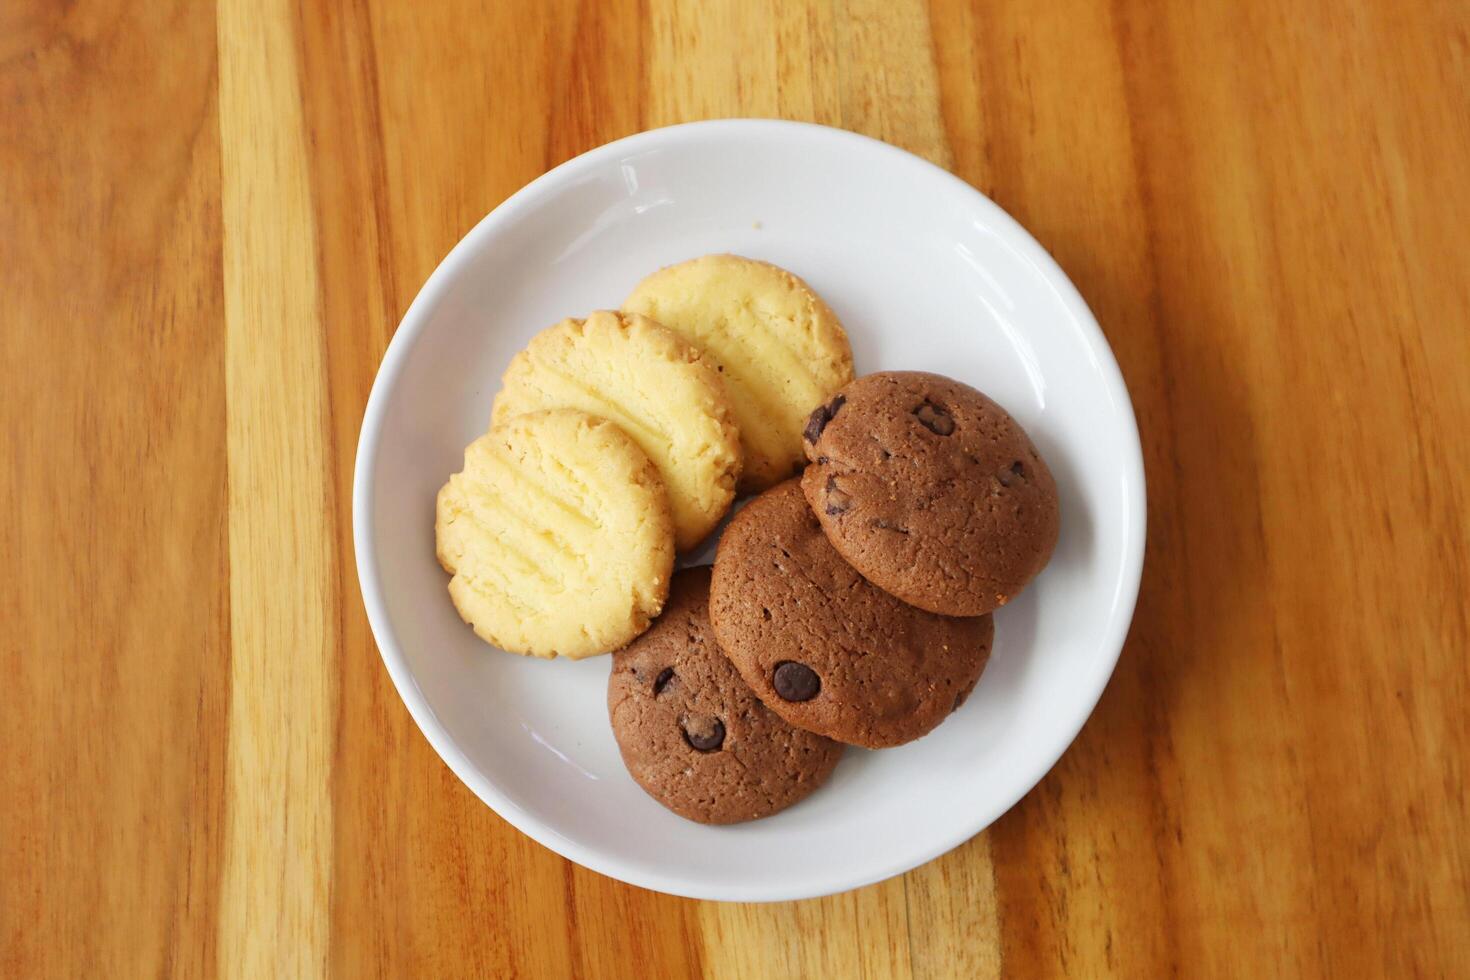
{"x": 780, "y": 349}
{"x": 557, "y": 534}
{"x": 656, "y": 387}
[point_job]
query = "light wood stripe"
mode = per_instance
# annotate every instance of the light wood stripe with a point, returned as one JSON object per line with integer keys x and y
{"x": 786, "y": 939}
{"x": 896, "y": 928}
{"x": 274, "y": 908}
{"x": 892, "y": 91}
{"x": 954, "y": 917}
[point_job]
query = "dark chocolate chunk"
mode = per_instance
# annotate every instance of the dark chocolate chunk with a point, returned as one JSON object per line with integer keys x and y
{"x": 704, "y": 734}
{"x": 820, "y": 416}
{"x": 934, "y": 418}
{"x": 795, "y": 682}
{"x": 837, "y": 500}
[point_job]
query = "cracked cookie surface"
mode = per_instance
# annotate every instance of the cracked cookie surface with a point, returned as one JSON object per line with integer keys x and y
{"x": 931, "y": 490}
{"x": 823, "y": 647}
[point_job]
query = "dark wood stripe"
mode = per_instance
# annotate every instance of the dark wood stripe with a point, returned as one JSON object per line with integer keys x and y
{"x": 396, "y": 183}
{"x": 114, "y": 590}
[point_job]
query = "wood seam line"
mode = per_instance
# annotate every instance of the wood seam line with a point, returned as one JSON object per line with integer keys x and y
{"x": 276, "y": 877}
{"x": 931, "y": 90}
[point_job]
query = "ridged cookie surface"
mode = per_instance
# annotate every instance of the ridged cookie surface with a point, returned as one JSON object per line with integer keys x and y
{"x": 557, "y": 534}
{"x": 653, "y": 384}
{"x": 780, "y": 349}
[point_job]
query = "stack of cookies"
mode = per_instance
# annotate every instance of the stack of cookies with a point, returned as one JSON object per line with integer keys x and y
{"x": 849, "y": 601}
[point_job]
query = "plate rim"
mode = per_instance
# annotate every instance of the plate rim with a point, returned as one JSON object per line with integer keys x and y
{"x": 406, "y": 336}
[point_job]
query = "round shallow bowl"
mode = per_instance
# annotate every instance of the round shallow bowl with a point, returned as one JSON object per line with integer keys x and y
{"x": 927, "y": 274}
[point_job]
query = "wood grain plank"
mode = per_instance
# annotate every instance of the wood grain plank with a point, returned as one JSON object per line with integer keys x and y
{"x": 1036, "y": 108}
{"x": 713, "y": 61}
{"x": 377, "y": 171}
{"x": 420, "y": 165}
{"x": 356, "y": 277}
{"x": 1217, "y": 787}
{"x": 114, "y": 609}
{"x": 953, "y": 914}
{"x": 887, "y": 77}
{"x": 1319, "y": 177}
{"x": 869, "y": 67}
{"x": 861, "y": 933}
{"x": 1266, "y": 756}
{"x": 283, "y": 586}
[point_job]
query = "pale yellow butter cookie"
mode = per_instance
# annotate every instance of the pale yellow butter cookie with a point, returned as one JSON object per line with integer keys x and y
{"x": 558, "y": 536}
{"x": 653, "y": 384}
{"x": 780, "y": 349}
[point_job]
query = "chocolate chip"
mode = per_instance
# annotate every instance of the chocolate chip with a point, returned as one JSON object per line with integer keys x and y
{"x": 662, "y": 680}
{"x": 819, "y": 418}
{"x": 703, "y": 734}
{"x": 934, "y": 418}
{"x": 795, "y": 682}
{"x": 837, "y": 499}
{"x": 1009, "y": 476}
{"x": 815, "y": 423}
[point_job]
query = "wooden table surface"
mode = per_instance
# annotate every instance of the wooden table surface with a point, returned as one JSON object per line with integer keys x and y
{"x": 213, "y": 214}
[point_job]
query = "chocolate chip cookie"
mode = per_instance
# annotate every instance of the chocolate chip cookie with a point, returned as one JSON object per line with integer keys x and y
{"x": 931, "y": 490}
{"x": 823, "y": 647}
{"x": 693, "y": 734}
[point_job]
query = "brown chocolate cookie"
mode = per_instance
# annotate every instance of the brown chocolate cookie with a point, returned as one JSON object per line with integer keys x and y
{"x": 693, "y": 734}
{"x": 931, "y": 490}
{"x": 823, "y": 647}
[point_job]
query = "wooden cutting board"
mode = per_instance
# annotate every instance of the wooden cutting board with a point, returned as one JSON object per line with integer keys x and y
{"x": 213, "y": 214}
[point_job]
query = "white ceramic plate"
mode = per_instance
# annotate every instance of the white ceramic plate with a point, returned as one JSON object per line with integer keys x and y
{"x": 926, "y": 274}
